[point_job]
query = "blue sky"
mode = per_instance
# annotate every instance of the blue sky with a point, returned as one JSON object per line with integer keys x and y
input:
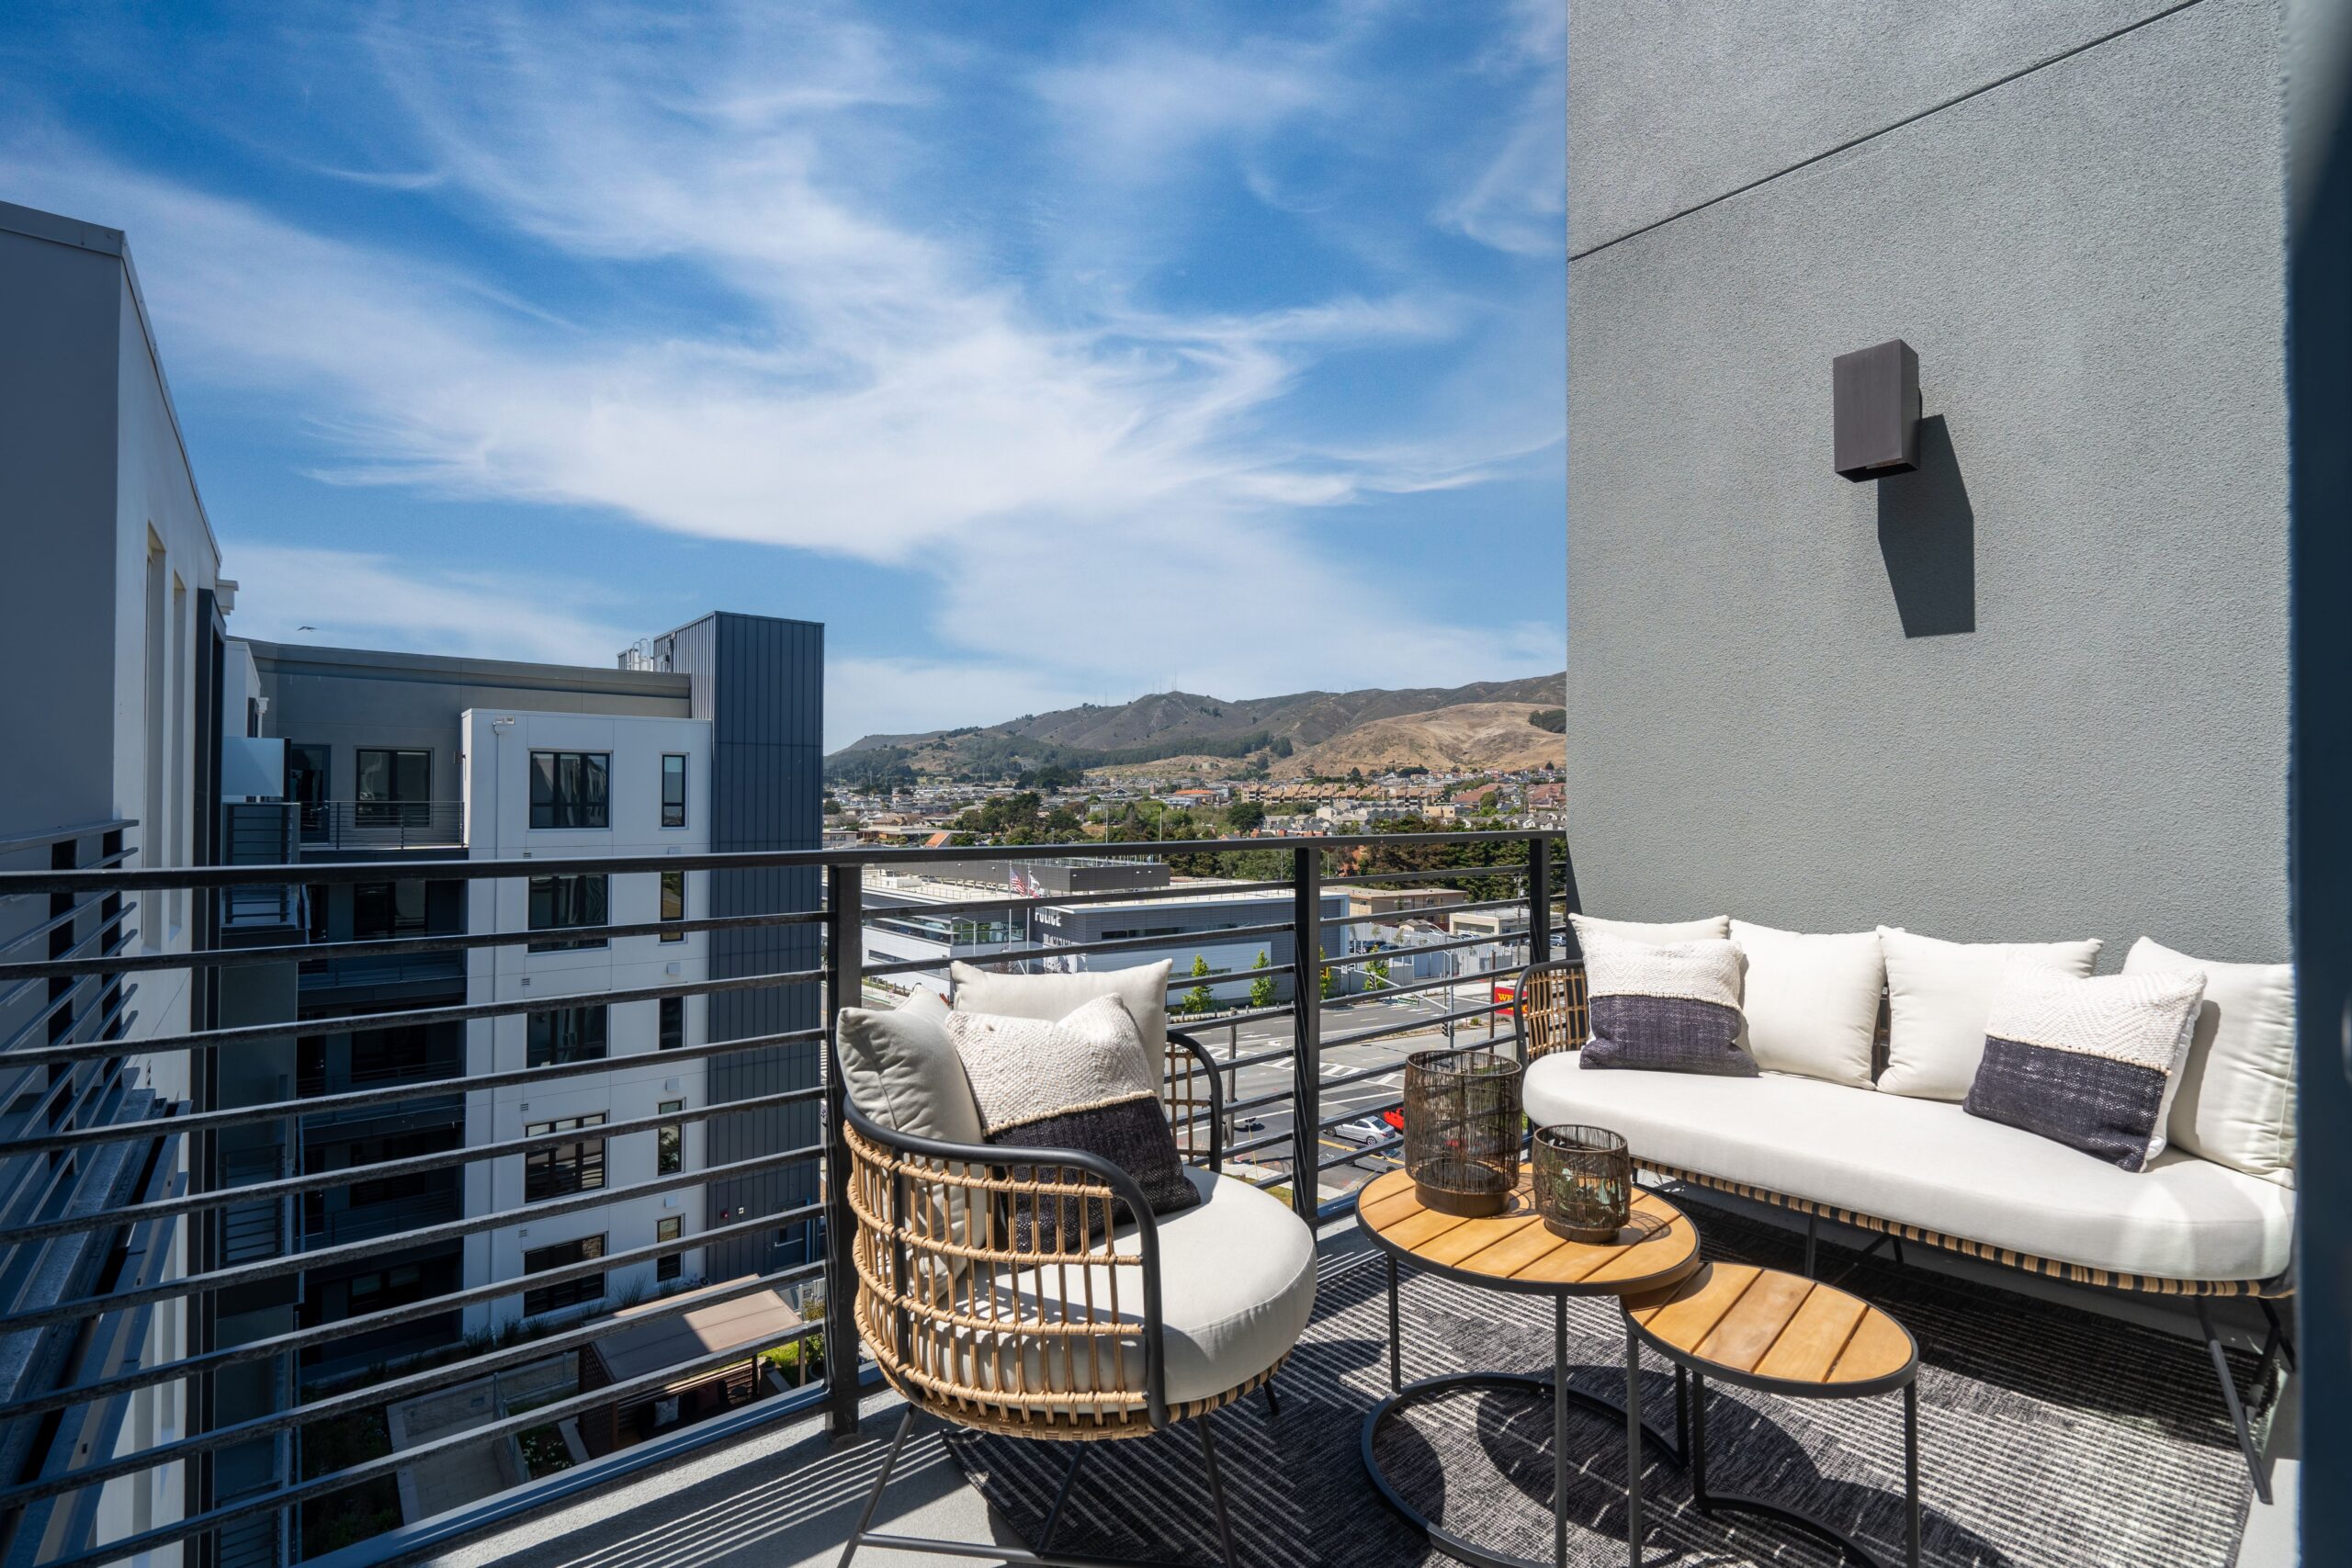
{"x": 1046, "y": 353}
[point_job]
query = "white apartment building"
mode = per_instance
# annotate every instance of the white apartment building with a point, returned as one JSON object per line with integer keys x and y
{"x": 555, "y": 786}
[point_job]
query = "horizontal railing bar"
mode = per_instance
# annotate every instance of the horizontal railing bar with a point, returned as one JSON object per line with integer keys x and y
{"x": 1357, "y": 1037}
{"x": 351, "y": 1475}
{"x": 1120, "y": 944}
{"x": 14, "y": 882}
{"x": 397, "y": 947}
{"x": 1058, "y": 901}
{"x": 1412, "y": 987}
{"x": 1231, "y": 976}
{"x": 1444, "y": 909}
{"x": 390, "y": 1389}
{"x": 1373, "y": 878}
{"x": 106, "y": 963}
{"x": 1511, "y": 938}
{"x": 293, "y": 1028}
{"x": 48, "y": 836}
{"x": 395, "y": 1094}
{"x": 1253, "y": 1145}
{"x": 55, "y": 1002}
{"x": 80, "y": 908}
{"x": 392, "y": 1170}
{"x": 80, "y": 1307}
{"x": 301, "y": 1339}
{"x": 1336, "y": 1161}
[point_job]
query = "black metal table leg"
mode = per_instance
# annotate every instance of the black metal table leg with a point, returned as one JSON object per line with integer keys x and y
{"x": 1911, "y": 1474}
{"x": 1708, "y": 1502}
{"x": 1395, "y": 1338}
{"x": 1560, "y": 1431}
{"x": 1633, "y": 1446}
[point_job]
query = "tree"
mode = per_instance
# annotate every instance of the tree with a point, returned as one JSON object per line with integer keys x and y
{"x": 1329, "y": 982}
{"x": 1261, "y": 989}
{"x": 1376, "y": 975}
{"x": 1243, "y": 816}
{"x": 1200, "y": 998}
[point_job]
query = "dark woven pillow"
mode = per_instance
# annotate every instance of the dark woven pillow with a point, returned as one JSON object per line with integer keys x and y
{"x": 1665, "y": 1007}
{"x": 1087, "y": 1083}
{"x": 2088, "y": 1062}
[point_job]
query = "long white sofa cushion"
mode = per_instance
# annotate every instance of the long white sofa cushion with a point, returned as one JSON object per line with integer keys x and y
{"x": 1928, "y": 1163}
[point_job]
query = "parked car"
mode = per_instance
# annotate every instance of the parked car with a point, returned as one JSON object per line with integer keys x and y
{"x": 1365, "y": 1130}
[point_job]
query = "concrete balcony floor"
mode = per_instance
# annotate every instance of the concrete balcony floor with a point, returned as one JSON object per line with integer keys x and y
{"x": 786, "y": 1497}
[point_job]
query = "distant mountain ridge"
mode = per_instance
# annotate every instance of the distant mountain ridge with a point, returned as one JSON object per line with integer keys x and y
{"x": 1173, "y": 724}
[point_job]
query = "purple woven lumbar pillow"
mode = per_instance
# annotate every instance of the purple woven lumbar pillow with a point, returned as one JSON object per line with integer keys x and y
{"x": 1665, "y": 1008}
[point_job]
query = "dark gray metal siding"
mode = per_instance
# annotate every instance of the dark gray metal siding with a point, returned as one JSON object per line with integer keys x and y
{"x": 760, "y": 681}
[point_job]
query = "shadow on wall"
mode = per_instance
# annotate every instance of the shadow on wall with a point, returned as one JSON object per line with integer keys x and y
{"x": 1927, "y": 533}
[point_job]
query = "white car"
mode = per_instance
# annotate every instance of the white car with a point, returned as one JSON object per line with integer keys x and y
{"x": 1365, "y": 1130}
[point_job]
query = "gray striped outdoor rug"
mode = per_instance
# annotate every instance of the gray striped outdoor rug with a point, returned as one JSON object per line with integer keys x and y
{"x": 2049, "y": 1435}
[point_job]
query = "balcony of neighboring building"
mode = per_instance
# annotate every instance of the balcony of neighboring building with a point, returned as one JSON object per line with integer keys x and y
{"x": 360, "y": 830}
{"x": 393, "y": 909}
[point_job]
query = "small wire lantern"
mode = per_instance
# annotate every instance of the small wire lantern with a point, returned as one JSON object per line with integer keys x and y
{"x": 1584, "y": 1183}
{"x": 1462, "y": 1129}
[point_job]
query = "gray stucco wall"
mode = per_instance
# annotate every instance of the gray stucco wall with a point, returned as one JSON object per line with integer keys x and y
{"x": 2036, "y": 689}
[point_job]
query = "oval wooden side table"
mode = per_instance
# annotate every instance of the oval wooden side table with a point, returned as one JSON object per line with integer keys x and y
{"x": 1785, "y": 1335}
{"x": 1513, "y": 1251}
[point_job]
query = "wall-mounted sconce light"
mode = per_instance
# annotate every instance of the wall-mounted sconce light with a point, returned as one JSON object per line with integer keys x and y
{"x": 1876, "y": 400}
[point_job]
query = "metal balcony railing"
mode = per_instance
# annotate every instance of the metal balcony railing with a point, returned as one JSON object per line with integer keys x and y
{"x": 1281, "y": 1062}
{"x": 355, "y": 824}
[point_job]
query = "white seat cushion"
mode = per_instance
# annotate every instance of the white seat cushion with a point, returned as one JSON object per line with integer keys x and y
{"x": 1237, "y": 1285}
{"x": 1714, "y": 928}
{"x": 1928, "y": 1163}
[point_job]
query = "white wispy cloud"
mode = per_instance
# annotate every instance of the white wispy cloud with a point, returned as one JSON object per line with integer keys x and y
{"x": 358, "y": 599}
{"x": 865, "y": 377}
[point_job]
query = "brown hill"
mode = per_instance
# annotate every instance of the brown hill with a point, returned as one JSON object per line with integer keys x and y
{"x": 1464, "y": 737}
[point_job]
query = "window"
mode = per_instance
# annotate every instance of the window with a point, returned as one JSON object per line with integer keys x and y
{"x": 673, "y": 902}
{"x": 392, "y": 788}
{"x": 306, "y": 787}
{"x": 567, "y": 1034}
{"x": 674, "y": 790}
{"x": 560, "y": 903}
{"x": 387, "y": 909}
{"x": 561, "y": 1170}
{"x": 673, "y": 1023}
{"x": 671, "y": 1149}
{"x": 669, "y": 1265}
{"x": 571, "y": 789}
{"x": 570, "y": 1293}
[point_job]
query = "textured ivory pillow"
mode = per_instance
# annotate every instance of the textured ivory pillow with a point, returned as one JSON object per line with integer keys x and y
{"x": 1811, "y": 1002}
{"x": 2236, "y": 1104}
{"x": 1715, "y": 927}
{"x": 1664, "y": 1007}
{"x": 1939, "y": 995}
{"x": 901, "y": 1069}
{"x": 1143, "y": 989}
{"x": 1084, "y": 1082}
{"x": 2089, "y": 1063}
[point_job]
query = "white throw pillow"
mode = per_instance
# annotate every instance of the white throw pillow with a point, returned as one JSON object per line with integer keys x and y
{"x": 2237, "y": 1104}
{"x": 901, "y": 1069}
{"x": 1812, "y": 1000}
{"x": 1939, "y": 995}
{"x": 1054, "y": 996}
{"x": 1657, "y": 933}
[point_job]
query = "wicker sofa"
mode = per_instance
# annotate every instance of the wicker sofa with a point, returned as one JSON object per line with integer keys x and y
{"x": 1925, "y": 1171}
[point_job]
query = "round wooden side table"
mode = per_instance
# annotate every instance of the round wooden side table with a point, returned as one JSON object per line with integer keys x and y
{"x": 1513, "y": 1251}
{"x": 1785, "y": 1335}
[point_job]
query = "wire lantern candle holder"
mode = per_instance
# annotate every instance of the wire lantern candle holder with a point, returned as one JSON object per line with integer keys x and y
{"x": 1463, "y": 1125}
{"x": 1583, "y": 1181}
